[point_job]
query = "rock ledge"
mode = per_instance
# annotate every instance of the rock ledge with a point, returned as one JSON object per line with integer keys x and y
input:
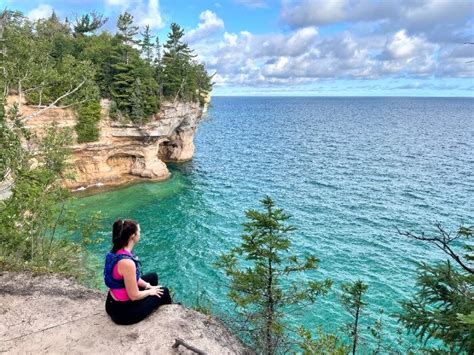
{"x": 49, "y": 314}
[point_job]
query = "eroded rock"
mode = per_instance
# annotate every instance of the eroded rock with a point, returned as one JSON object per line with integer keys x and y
{"x": 49, "y": 314}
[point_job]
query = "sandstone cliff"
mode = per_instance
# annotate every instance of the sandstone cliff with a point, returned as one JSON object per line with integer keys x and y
{"x": 125, "y": 152}
{"x": 48, "y": 314}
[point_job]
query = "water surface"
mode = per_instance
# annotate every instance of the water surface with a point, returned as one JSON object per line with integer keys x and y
{"x": 349, "y": 170}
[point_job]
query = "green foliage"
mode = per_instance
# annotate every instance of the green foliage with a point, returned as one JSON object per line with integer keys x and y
{"x": 352, "y": 299}
{"x": 89, "y": 23}
{"x": 442, "y": 307}
{"x": 328, "y": 344}
{"x": 147, "y": 45}
{"x": 31, "y": 218}
{"x": 87, "y": 123}
{"x": 257, "y": 270}
{"x": 48, "y": 63}
{"x": 182, "y": 76}
{"x": 126, "y": 29}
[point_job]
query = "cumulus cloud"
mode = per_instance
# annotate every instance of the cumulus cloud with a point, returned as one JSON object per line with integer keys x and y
{"x": 42, "y": 11}
{"x": 376, "y": 45}
{"x": 149, "y": 15}
{"x": 402, "y": 46}
{"x": 209, "y": 24}
{"x": 313, "y": 12}
{"x": 145, "y": 12}
{"x": 415, "y": 16}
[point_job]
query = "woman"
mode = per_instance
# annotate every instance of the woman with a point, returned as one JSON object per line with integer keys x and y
{"x": 131, "y": 296}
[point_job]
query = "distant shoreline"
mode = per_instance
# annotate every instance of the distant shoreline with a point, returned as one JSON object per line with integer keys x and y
{"x": 345, "y": 97}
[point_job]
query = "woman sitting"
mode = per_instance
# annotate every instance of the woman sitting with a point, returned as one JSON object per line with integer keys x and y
{"x": 131, "y": 296}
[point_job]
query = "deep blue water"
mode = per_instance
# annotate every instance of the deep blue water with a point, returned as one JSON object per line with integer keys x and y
{"x": 349, "y": 171}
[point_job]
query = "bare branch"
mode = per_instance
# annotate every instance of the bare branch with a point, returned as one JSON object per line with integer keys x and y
{"x": 179, "y": 341}
{"x": 442, "y": 242}
{"x": 52, "y": 105}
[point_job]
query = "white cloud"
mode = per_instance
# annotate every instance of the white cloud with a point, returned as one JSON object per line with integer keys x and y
{"x": 209, "y": 24}
{"x": 381, "y": 41}
{"x": 402, "y": 46}
{"x": 415, "y": 16}
{"x": 149, "y": 15}
{"x": 42, "y": 11}
{"x": 313, "y": 12}
{"x": 145, "y": 12}
{"x": 117, "y": 2}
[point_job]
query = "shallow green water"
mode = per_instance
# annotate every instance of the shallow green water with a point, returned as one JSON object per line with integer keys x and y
{"x": 349, "y": 170}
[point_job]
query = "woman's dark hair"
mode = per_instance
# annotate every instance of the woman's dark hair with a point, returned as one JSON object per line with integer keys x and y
{"x": 122, "y": 230}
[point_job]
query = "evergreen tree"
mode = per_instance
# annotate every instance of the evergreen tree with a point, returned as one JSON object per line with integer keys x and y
{"x": 126, "y": 29}
{"x": 122, "y": 86}
{"x": 443, "y": 305}
{"x": 89, "y": 23}
{"x": 87, "y": 123}
{"x": 260, "y": 270}
{"x": 352, "y": 300}
{"x": 158, "y": 67}
{"x": 137, "y": 113}
{"x": 176, "y": 63}
{"x": 147, "y": 46}
{"x": 157, "y": 50}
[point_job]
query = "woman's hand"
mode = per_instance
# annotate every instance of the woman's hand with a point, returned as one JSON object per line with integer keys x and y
{"x": 155, "y": 291}
{"x": 147, "y": 285}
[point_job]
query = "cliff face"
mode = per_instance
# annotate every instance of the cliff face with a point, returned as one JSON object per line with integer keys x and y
{"x": 125, "y": 152}
{"x": 51, "y": 315}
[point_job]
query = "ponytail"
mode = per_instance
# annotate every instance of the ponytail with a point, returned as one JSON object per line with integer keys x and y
{"x": 122, "y": 230}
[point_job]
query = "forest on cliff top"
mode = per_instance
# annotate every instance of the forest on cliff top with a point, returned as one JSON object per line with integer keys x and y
{"x": 73, "y": 64}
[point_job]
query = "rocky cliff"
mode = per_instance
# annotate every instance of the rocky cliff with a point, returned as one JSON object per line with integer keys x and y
{"x": 49, "y": 314}
{"x": 125, "y": 152}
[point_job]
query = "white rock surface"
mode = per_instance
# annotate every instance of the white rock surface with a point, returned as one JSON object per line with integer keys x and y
{"x": 51, "y": 315}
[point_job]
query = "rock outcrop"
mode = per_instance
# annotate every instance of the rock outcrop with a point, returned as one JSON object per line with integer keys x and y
{"x": 125, "y": 152}
{"x": 48, "y": 314}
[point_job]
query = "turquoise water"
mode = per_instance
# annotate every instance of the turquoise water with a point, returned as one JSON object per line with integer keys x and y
{"x": 349, "y": 170}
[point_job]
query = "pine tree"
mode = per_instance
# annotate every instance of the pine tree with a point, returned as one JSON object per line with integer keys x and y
{"x": 87, "y": 123}
{"x": 89, "y": 23}
{"x": 122, "y": 87}
{"x": 443, "y": 305}
{"x": 352, "y": 300}
{"x": 260, "y": 270}
{"x": 126, "y": 29}
{"x": 137, "y": 114}
{"x": 176, "y": 63}
{"x": 147, "y": 46}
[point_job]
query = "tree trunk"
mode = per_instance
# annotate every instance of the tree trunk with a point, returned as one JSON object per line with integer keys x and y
{"x": 270, "y": 305}
{"x": 20, "y": 95}
{"x": 355, "y": 331}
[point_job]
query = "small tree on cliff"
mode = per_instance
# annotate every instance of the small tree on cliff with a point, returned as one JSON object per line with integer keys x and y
{"x": 352, "y": 300}
{"x": 443, "y": 305}
{"x": 257, "y": 269}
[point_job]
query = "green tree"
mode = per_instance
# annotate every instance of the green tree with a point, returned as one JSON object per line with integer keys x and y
{"x": 442, "y": 307}
{"x": 352, "y": 299}
{"x": 327, "y": 344}
{"x": 87, "y": 122}
{"x": 88, "y": 23}
{"x": 126, "y": 29}
{"x": 257, "y": 270}
{"x": 36, "y": 227}
{"x": 147, "y": 45}
{"x": 137, "y": 113}
{"x": 176, "y": 64}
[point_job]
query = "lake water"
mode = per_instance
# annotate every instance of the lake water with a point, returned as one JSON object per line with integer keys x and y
{"x": 349, "y": 171}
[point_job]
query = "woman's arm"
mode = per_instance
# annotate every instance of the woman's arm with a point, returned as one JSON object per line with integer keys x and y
{"x": 143, "y": 284}
{"x": 127, "y": 269}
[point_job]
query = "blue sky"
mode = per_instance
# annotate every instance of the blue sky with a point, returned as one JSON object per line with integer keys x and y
{"x": 310, "y": 47}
